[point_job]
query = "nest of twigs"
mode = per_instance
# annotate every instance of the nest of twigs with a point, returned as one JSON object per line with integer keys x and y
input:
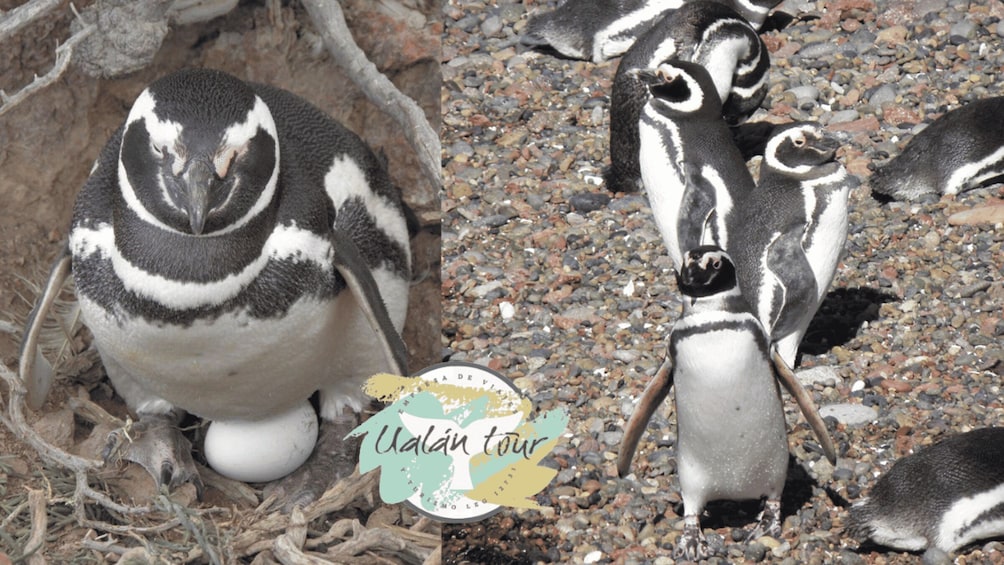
{"x": 77, "y": 508}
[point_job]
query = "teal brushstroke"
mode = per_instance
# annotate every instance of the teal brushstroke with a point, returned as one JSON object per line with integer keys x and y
{"x": 547, "y": 426}
{"x": 405, "y": 473}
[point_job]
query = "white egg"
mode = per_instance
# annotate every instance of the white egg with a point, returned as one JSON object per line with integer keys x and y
{"x": 262, "y": 450}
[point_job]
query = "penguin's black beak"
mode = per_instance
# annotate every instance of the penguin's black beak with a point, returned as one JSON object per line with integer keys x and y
{"x": 827, "y": 145}
{"x": 198, "y": 181}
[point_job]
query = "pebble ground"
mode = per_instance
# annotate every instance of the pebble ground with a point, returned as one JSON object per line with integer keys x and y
{"x": 567, "y": 289}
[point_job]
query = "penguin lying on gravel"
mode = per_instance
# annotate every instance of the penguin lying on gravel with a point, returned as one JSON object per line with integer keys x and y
{"x": 787, "y": 235}
{"x": 598, "y": 30}
{"x": 235, "y": 250}
{"x": 961, "y": 150}
{"x": 691, "y": 170}
{"x": 709, "y": 34}
{"x": 731, "y": 437}
{"x": 940, "y": 499}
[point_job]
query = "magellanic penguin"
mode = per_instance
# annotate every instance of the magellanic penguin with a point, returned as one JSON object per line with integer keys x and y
{"x": 786, "y": 236}
{"x": 235, "y": 250}
{"x": 691, "y": 170}
{"x": 961, "y": 150}
{"x": 944, "y": 496}
{"x": 731, "y": 437}
{"x": 598, "y": 30}
{"x": 707, "y": 33}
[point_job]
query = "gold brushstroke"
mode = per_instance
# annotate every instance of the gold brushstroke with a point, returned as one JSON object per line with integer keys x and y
{"x": 502, "y": 401}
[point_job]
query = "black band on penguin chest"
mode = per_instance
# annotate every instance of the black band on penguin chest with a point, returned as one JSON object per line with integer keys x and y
{"x": 280, "y": 284}
{"x": 183, "y": 257}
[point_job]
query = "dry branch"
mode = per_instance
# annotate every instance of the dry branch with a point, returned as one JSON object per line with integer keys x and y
{"x": 329, "y": 20}
{"x": 64, "y": 53}
{"x": 14, "y": 20}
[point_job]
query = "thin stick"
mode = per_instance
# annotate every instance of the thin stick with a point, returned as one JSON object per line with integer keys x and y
{"x": 330, "y": 22}
{"x": 25, "y": 14}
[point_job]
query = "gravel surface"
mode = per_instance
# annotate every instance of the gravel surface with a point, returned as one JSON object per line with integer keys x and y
{"x": 567, "y": 289}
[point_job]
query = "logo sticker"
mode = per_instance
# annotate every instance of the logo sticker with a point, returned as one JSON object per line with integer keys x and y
{"x": 457, "y": 442}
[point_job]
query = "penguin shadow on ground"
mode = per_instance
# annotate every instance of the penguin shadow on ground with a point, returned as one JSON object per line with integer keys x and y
{"x": 798, "y": 491}
{"x": 840, "y": 317}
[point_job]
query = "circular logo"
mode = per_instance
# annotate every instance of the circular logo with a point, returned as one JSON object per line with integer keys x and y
{"x": 457, "y": 442}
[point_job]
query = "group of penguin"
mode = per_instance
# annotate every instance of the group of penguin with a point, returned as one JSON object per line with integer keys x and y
{"x": 754, "y": 259}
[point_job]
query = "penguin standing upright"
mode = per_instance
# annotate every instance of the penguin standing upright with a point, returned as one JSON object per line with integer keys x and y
{"x": 944, "y": 496}
{"x": 708, "y": 33}
{"x": 731, "y": 436}
{"x": 786, "y": 236}
{"x": 598, "y": 30}
{"x": 961, "y": 150}
{"x": 691, "y": 170}
{"x": 234, "y": 251}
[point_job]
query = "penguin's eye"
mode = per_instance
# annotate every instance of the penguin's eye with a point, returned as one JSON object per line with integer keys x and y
{"x": 799, "y": 141}
{"x": 716, "y": 264}
{"x": 160, "y": 151}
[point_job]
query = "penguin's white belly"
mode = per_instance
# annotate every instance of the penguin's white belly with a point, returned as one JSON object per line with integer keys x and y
{"x": 239, "y": 367}
{"x": 829, "y": 237}
{"x": 662, "y": 177}
{"x": 732, "y": 440}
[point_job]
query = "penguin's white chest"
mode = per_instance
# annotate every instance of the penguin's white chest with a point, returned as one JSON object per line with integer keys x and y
{"x": 232, "y": 367}
{"x": 662, "y": 176}
{"x": 826, "y": 236}
{"x": 732, "y": 440}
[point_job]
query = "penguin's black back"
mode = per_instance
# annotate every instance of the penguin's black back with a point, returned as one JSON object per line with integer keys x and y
{"x": 958, "y": 137}
{"x": 959, "y": 466}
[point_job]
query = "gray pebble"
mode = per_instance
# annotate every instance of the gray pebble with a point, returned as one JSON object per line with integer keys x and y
{"x": 492, "y": 26}
{"x": 849, "y": 414}
{"x": 882, "y": 94}
{"x": 589, "y": 201}
{"x": 824, "y": 375}
{"x": 818, "y": 50}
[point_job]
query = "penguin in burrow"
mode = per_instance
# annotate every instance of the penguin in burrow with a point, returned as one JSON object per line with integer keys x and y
{"x": 234, "y": 251}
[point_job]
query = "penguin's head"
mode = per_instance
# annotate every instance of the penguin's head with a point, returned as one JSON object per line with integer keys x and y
{"x": 681, "y": 87}
{"x": 200, "y": 153}
{"x": 707, "y": 270}
{"x": 801, "y": 150}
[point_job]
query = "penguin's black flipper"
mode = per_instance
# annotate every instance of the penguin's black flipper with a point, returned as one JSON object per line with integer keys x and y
{"x": 34, "y": 370}
{"x": 351, "y": 266}
{"x": 791, "y": 383}
{"x": 651, "y": 399}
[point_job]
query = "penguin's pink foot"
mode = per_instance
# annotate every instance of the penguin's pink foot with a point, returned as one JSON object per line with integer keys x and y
{"x": 692, "y": 545}
{"x": 769, "y": 522}
{"x": 156, "y": 443}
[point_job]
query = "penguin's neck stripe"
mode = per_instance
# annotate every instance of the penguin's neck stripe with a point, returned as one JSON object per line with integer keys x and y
{"x": 285, "y": 242}
{"x": 665, "y": 51}
{"x": 835, "y": 177}
{"x": 346, "y": 180}
{"x": 648, "y": 12}
{"x": 972, "y": 172}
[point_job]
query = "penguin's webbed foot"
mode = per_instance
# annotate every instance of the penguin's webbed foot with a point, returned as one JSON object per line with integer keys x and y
{"x": 769, "y": 522}
{"x": 156, "y": 443}
{"x": 692, "y": 545}
{"x": 333, "y": 459}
